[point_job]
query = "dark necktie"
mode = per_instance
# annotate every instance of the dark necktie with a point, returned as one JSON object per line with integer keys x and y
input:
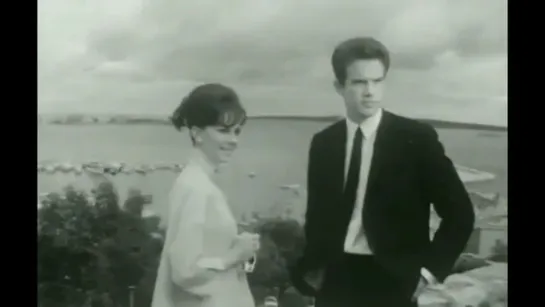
{"x": 353, "y": 176}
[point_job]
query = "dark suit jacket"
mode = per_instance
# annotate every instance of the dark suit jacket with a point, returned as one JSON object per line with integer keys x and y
{"x": 409, "y": 172}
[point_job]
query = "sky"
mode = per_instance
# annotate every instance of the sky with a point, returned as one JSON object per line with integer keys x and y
{"x": 142, "y": 56}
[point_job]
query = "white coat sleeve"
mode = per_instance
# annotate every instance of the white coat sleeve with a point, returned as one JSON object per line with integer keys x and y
{"x": 191, "y": 269}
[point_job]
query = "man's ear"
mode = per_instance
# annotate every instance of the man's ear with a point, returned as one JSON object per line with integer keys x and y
{"x": 338, "y": 87}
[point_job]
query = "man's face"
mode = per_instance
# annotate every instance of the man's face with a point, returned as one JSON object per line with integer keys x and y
{"x": 363, "y": 88}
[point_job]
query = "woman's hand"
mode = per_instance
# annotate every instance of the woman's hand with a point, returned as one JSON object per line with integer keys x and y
{"x": 243, "y": 249}
{"x": 246, "y": 245}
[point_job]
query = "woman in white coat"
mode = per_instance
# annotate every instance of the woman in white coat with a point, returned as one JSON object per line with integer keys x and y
{"x": 203, "y": 257}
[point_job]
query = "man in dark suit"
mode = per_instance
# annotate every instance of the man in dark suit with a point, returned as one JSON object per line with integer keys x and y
{"x": 371, "y": 180}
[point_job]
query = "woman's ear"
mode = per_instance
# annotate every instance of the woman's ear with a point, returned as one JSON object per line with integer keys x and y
{"x": 195, "y": 133}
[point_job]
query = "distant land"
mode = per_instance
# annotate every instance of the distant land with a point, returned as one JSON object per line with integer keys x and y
{"x": 79, "y": 119}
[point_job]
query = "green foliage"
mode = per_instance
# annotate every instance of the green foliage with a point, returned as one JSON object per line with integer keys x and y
{"x": 90, "y": 251}
{"x": 282, "y": 242}
{"x": 499, "y": 252}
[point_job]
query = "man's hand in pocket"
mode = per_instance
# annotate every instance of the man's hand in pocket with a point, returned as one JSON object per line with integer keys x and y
{"x": 422, "y": 284}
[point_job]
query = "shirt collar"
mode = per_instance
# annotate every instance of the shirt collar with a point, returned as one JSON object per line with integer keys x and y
{"x": 369, "y": 126}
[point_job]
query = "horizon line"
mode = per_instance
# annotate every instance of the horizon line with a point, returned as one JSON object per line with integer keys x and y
{"x": 154, "y": 118}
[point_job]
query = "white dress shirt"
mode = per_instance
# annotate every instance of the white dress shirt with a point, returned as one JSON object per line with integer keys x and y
{"x": 193, "y": 271}
{"x": 355, "y": 240}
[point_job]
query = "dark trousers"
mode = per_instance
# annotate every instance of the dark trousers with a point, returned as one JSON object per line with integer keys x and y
{"x": 359, "y": 281}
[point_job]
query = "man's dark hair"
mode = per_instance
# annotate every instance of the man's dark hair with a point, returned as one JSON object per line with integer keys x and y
{"x": 209, "y": 105}
{"x": 359, "y": 48}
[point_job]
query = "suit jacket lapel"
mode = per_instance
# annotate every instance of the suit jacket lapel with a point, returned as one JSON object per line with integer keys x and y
{"x": 380, "y": 153}
{"x": 338, "y": 155}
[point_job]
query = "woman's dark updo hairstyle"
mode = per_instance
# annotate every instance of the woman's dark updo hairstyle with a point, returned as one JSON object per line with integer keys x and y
{"x": 209, "y": 105}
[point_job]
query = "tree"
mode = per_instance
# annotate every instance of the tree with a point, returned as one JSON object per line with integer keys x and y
{"x": 499, "y": 252}
{"x": 91, "y": 249}
{"x": 282, "y": 242}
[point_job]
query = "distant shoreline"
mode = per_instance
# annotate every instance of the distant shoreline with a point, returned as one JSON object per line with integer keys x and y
{"x": 77, "y": 120}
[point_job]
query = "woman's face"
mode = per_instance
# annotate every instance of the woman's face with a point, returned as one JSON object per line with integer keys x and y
{"x": 217, "y": 142}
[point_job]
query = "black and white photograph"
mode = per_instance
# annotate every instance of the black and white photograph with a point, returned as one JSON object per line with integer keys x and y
{"x": 272, "y": 153}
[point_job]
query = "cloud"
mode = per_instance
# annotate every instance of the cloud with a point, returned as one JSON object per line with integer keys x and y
{"x": 141, "y": 56}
